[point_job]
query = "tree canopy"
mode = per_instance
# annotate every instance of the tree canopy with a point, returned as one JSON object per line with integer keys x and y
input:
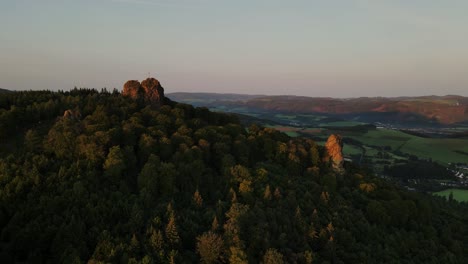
{"x": 123, "y": 182}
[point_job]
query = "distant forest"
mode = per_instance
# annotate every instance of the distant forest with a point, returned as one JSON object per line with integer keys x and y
{"x": 93, "y": 176}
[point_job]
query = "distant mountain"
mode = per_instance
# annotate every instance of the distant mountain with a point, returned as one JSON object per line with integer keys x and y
{"x": 448, "y": 109}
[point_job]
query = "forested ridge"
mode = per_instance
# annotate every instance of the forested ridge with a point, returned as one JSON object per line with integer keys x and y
{"x": 114, "y": 180}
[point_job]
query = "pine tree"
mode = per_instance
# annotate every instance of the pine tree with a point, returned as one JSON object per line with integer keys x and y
{"x": 314, "y": 156}
{"x": 237, "y": 256}
{"x": 309, "y": 257}
{"x": 156, "y": 239}
{"x": 134, "y": 244}
{"x": 172, "y": 256}
{"x": 197, "y": 199}
{"x": 233, "y": 195}
{"x": 209, "y": 247}
{"x": 115, "y": 163}
{"x": 277, "y": 193}
{"x": 267, "y": 193}
{"x": 272, "y": 256}
{"x": 214, "y": 224}
{"x": 171, "y": 231}
{"x": 245, "y": 186}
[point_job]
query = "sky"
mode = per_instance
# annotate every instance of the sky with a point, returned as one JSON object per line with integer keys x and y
{"x": 336, "y": 48}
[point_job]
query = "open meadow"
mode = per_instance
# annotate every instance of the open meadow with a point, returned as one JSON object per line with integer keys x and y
{"x": 458, "y": 194}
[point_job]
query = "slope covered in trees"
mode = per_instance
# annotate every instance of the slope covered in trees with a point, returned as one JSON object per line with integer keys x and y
{"x": 118, "y": 181}
{"x": 4, "y": 91}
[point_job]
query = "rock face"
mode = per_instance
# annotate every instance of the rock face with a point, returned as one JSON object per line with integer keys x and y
{"x": 149, "y": 91}
{"x": 72, "y": 114}
{"x": 132, "y": 89}
{"x": 334, "y": 152}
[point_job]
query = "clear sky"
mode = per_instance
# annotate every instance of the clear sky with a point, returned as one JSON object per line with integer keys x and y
{"x": 339, "y": 48}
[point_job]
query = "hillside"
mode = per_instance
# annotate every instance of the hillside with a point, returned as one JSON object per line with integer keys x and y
{"x": 100, "y": 177}
{"x": 4, "y": 91}
{"x": 426, "y": 109}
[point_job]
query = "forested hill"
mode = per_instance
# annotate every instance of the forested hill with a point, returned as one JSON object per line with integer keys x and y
{"x": 4, "y": 91}
{"x": 88, "y": 176}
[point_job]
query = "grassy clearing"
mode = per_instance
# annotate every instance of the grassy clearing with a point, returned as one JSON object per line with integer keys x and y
{"x": 383, "y": 137}
{"x": 292, "y": 133}
{"x": 458, "y": 194}
{"x": 442, "y": 150}
{"x": 312, "y": 131}
{"x": 349, "y": 149}
{"x": 371, "y": 152}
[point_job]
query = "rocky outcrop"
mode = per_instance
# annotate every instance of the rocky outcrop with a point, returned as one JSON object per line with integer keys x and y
{"x": 132, "y": 89}
{"x": 72, "y": 114}
{"x": 334, "y": 153}
{"x": 148, "y": 91}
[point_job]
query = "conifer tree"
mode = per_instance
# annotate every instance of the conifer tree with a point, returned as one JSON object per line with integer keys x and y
{"x": 197, "y": 199}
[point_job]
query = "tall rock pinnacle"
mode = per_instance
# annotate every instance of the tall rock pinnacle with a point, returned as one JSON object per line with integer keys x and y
{"x": 334, "y": 152}
{"x": 148, "y": 91}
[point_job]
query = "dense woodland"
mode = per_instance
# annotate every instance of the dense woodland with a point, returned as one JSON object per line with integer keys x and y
{"x": 116, "y": 181}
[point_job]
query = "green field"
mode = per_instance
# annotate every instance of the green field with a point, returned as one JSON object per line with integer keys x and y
{"x": 282, "y": 116}
{"x": 382, "y": 137}
{"x": 341, "y": 124}
{"x": 458, "y": 194}
{"x": 349, "y": 149}
{"x": 443, "y": 150}
{"x": 291, "y": 133}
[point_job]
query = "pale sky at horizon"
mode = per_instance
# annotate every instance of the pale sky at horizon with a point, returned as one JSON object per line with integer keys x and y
{"x": 337, "y": 48}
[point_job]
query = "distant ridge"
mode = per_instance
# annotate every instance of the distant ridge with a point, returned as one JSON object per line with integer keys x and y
{"x": 448, "y": 109}
{"x": 190, "y": 97}
{"x": 5, "y": 91}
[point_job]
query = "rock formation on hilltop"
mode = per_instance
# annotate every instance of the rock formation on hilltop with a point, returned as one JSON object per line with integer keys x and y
{"x": 132, "y": 89}
{"x": 148, "y": 91}
{"x": 334, "y": 152}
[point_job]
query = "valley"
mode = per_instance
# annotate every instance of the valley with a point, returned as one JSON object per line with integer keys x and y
{"x": 380, "y": 146}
